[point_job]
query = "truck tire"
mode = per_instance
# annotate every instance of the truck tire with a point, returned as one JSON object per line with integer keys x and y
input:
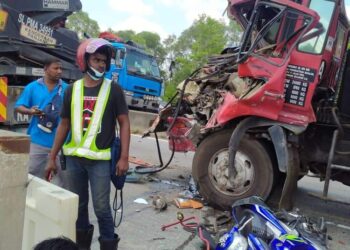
{"x": 209, "y": 169}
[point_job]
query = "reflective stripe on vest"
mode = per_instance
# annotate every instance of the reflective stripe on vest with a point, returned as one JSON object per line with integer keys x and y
{"x": 85, "y": 146}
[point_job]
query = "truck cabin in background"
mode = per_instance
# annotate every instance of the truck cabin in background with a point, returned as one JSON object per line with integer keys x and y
{"x": 137, "y": 72}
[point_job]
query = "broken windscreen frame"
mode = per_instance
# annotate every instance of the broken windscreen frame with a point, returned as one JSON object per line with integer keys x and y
{"x": 273, "y": 31}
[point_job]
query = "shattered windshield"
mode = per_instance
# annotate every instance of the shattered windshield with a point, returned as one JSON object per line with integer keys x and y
{"x": 142, "y": 64}
{"x": 272, "y": 27}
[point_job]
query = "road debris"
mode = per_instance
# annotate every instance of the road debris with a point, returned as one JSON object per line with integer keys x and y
{"x": 159, "y": 202}
{"x": 170, "y": 183}
{"x": 141, "y": 201}
{"x": 193, "y": 226}
{"x": 136, "y": 161}
{"x": 186, "y": 194}
{"x": 132, "y": 177}
{"x": 192, "y": 187}
{"x": 187, "y": 203}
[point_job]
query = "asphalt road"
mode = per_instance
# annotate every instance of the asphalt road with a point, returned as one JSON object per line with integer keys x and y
{"x": 141, "y": 226}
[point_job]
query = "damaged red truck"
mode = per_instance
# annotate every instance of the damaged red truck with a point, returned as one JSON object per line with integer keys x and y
{"x": 262, "y": 115}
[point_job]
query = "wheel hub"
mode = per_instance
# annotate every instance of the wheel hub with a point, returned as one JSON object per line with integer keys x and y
{"x": 219, "y": 174}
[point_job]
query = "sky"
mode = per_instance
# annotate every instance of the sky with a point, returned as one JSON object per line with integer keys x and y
{"x": 165, "y": 17}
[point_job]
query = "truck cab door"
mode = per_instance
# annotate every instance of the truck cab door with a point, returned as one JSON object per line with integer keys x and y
{"x": 117, "y": 65}
{"x": 315, "y": 66}
{"x": 268, "y": 42}
{"x": 119, "y": 57}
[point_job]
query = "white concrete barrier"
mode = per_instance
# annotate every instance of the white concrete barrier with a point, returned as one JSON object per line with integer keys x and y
{"x": 140, "y": 121}
{"x": 50, "y": 211}
{"x": 13, "y": 177}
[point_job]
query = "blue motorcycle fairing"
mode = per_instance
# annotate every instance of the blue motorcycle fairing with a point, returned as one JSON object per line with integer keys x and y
{"x": 290, "y": 242}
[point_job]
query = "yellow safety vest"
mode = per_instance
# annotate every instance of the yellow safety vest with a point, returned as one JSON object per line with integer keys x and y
{"x": 85, "y": 146}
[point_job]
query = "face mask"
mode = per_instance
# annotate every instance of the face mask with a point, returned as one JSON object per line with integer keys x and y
{"x": 95, "y": 74}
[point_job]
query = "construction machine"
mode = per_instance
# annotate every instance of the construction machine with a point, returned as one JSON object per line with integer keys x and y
{"x": 30, "y": 33}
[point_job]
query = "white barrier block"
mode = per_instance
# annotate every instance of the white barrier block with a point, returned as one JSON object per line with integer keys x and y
{"x": 13, "y": 177}
{"x": 51, "y": 211}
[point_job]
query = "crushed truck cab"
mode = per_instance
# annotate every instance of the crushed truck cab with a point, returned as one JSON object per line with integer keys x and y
{"x": 265, "y": 113}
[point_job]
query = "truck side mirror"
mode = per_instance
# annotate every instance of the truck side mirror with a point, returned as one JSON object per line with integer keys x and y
{"x": 119, "y": 58}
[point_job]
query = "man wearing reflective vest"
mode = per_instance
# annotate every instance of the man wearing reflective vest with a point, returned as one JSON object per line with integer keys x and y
{"x": 92, "y": 106}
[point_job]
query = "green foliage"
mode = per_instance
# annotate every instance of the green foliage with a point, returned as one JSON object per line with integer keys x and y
{"x": 81, "y": 23}
{"x": 170, "y": 90}
{"x": 126, "y": 34}
{"x": 234, "y": 33}
{"x": 191, "y": 50}
{"x": 153, "y": 44}
{"x": 152, "y": 40}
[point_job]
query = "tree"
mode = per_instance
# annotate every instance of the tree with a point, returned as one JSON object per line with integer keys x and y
{"x": 126, "y": 34}
{"x": 153, "y": 45}
{"x": 149, "y": 40}
{"x": 169, "y": 57}
{"x": 205, "y": 37}
{"x": 81, "y": 23}
{"x": 152, "y": 40}
{"x": 234, "y": 33}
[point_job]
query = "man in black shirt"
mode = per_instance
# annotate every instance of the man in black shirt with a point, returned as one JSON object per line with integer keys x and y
{"x": 91, "y": 108}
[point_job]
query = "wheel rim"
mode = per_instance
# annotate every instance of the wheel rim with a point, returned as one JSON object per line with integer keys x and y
{"x": 218, "y": 173}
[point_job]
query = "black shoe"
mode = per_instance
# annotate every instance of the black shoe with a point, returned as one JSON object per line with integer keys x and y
{"x": 84, "y": 238}
{"x": 109, "y": 244}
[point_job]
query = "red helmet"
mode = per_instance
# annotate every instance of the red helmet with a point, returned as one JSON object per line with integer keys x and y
{"x": 90, "y": 46}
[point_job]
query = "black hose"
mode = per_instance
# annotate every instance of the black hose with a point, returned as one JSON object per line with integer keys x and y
{"x": 155, "y": 169}
{"x": 160, "y": 167}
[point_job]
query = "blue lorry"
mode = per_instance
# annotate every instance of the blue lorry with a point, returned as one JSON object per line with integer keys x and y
{"x": 138, "y": 74}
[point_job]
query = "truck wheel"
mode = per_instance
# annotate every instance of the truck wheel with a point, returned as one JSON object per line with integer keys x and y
{"x": 210, "y": 170}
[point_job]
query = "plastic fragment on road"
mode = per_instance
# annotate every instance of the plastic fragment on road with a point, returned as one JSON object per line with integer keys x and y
{"x": 171, "y": 183}
{"x": 187, "y": 203}
{"x": 186, "y": 194}
{"x": 141, "y": 201}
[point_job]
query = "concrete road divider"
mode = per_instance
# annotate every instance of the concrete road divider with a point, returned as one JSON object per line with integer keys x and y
{"x": 14, "y": 148}
{"x": 50, "y": 212}
{"x": 140, "y": 121}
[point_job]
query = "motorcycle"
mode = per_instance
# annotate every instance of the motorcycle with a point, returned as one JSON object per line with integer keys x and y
{"x": 258, "y": 228}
